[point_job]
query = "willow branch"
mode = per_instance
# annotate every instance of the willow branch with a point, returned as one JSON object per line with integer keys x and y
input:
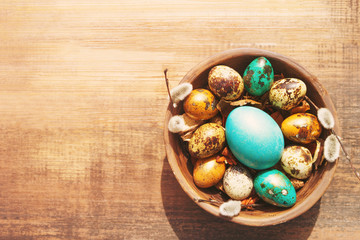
{"x": 167, "y": 85}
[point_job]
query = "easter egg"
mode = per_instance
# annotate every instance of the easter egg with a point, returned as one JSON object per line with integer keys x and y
{"x": 237, "y": 182}
{"x": 301, "y": 127}
{"x": 287, "y": 93}
{"x": 208, "y": 172}
{"x": 275, "y": 188}
{"x": 207, "y": 140}
{"x": 225, "y": 82}
{"x": 254, "y": 137}
{"x": 297, "y": 161}
{"x": 258, "y": 76}
{"x": 200, "y": 104}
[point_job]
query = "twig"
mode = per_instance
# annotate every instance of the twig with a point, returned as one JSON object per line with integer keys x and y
{"x": 312, "y": 103}
{"x": 356, "y": 172}
{"x": 167, "y": 85}
{"x": 215, "y": 202}
{"x": 212, "y": 201}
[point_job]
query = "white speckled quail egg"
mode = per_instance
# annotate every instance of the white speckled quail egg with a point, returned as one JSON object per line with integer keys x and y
{"x": 297, "y": 161}
{"x": 238, "y": 182}
{"x": 287, "y": 93}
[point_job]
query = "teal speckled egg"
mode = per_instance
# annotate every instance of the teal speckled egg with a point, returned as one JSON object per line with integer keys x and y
{"x": 254, "y": 137}
{"x": 275, "y": 188}
{"x": 258, "y": 76}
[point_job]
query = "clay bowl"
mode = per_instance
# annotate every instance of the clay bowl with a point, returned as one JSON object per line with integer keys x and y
{"x": 181, "y": 165}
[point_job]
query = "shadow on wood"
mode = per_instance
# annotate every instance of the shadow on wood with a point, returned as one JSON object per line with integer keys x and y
{"x": 189, "y": 221}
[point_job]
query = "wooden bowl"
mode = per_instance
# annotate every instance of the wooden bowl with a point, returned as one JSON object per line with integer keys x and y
{"x": 181, "y": 166}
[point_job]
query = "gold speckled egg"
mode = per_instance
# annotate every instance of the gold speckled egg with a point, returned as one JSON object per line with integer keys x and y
{"x": 200, "y": 104}
{"x": 297, "y": 161}
{"x": 207, "y": 172}
{"x": 207, "y": 140}
{"x": 301, "y": 128}
{"x": 225, "y": 82}
{"x": 287, "y": 93}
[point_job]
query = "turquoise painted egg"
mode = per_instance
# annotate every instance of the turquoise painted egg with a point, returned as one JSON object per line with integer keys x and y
{"x": 258, "y": 76}
{"x": 275, "y": 188}
{"x": 254, "y": 137}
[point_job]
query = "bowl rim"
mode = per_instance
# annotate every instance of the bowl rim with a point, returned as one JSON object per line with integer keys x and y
{"x": 286, "y": 214}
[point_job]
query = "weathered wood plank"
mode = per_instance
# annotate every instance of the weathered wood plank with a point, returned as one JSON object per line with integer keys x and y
{"x": 82, "y": 105}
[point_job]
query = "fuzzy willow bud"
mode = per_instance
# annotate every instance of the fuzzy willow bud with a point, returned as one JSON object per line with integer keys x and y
{"x": 176, "y": 124}
{"x": 180, "y": 92}
{"x": 326, "y": 118}
{"x": 230, "y": 208}
{"x": 331, "y": 148}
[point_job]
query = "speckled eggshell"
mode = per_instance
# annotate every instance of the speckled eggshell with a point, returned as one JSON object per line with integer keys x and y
{"x": 207, "y": 140}
{"x": 301, "y": 128}
{"x": 225, "y": 82}
{"x": 258, "y": 76}
{"x": 200, "y": 104}
{"x": 297, "y": 161}
{"x": 254, "y": 137}
{"x": 237, "y": 182}
{"x": 287, "y": 93}
{"x": 275, "y": 188}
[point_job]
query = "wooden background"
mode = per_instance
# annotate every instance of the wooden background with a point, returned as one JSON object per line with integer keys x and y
{"x": 83, "y": 100}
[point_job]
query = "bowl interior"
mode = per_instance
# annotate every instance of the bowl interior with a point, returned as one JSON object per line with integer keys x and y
{"x": 181, "y": 165}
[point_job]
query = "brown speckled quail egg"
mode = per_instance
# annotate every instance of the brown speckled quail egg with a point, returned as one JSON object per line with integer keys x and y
{"x": 237, "y": 182}
{"x": 297, "y": 161}
{"x": 207, "y": 140}
{"x": 225, "y": 82}
{"x": 287, "y": 93}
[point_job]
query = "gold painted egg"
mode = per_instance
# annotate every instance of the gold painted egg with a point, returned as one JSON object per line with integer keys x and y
{"x": 207, "y": 172}
{"x": 301, "y": 128}
{"x": 200, "y": 104}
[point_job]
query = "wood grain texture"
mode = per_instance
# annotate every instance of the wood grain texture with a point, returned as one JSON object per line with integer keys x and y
{"x": 83, "y": 101}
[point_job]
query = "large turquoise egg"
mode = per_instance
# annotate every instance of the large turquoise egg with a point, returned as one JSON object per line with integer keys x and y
{"x": 258, "y": 76}
{"x": 275, "y": 188}
{"x": 254, "y": 137}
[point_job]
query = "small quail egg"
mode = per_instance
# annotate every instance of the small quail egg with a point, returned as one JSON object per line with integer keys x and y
{"x": 287, "y": 93}
{"x": 207, "y": 140}
{"x": 237, "y": 182}
{"x": 208, "y": 172}
{"x": 200, "y": 104}
{"x": 258, "y": 76}
{"x": 297, "y": 161}
{"x": 301, "y": 128}
{"x": 225, "y": 82}
{"x": 275, "y": 188}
